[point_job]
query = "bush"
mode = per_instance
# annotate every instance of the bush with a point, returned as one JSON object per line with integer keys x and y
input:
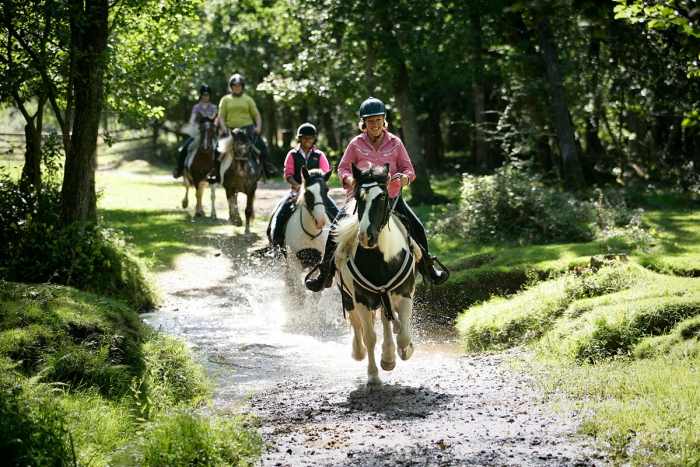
{"x": 91, "y": 259}
{"x": 516, "y": 205}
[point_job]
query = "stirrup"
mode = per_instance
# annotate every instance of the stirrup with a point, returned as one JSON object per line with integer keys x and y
{"x": 429, "y": 264}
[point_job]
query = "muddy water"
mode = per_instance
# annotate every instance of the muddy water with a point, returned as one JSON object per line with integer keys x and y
{"x": 293, "y": 370}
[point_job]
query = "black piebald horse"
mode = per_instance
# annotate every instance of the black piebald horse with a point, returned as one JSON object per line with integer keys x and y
{"x": 376, "y": 270}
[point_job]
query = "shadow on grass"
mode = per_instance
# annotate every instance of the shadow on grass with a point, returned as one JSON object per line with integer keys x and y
{"x": 165, "y": 235}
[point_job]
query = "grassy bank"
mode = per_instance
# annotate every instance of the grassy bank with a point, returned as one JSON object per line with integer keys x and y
{"x": 85, "y": 382}
{"x": 621, "y": 345}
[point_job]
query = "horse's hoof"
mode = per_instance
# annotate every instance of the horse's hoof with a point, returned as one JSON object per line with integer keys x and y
{"x": 406, "y": 353}
{"x": 213, "y": 217}
{"x": 374, "y": 386}
{"x": 237, "y": 223}
{"x": 185, "y": 203}
{"x": 388, "y": 366}
{"x": 248, "y": 237}
{"x": 198, "y": 214}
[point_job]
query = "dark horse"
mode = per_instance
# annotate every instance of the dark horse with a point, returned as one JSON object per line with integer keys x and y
{"x": 241, "y": 169}
{"x": 376, "y": 269}
{"x": 199, "y": 163}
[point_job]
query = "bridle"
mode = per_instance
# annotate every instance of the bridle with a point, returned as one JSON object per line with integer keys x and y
{"x": 385, "y": 188}
{"x": 310, "y": 211}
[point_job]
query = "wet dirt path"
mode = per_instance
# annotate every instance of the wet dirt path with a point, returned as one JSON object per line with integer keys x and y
{"x": 293, "y": 370}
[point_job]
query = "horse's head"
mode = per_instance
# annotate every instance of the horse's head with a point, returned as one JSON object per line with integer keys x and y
{"x": 315, "y": 186}
{"x": 372, "y": 198}
{"x": 242, "y": 144}
{"x": 206, "y": 132}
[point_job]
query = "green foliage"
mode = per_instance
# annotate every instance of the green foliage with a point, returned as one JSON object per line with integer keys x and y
{"x": 584, "y": 316}
{"x": 33, "y": 429}
{"x": 527, "y": 316}
{"x": 93, "y": 259}
{"x": 191, "y": 438}
{"x": 83, "y": 381}
{"x": 517, "y": 206}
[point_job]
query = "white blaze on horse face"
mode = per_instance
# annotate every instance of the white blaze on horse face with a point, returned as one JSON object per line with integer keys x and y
{"x": 319, "y": 209}
{"x": 367, "y": 195}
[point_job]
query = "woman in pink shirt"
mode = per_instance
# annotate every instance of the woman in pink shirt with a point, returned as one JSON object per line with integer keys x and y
{"x": 376, "y": 146}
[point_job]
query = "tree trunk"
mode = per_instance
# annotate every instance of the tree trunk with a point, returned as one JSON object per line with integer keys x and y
{"x": 288, "y": 130}
{"x": 432, "y": 137}
{"x": 594, "y": 146}
{"x": 31, "y": 172}
{"x": 421, "y": 190}
{"x": 269, "y": 123}
{"x": 369, "y": 59}
{"x": 329, "y": 130}
{"x": 480, "y": 146}
{"x": 572, "y": 173}
{"x": 89, "y": 33}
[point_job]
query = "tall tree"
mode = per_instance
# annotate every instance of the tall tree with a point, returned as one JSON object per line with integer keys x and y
{"x": 572, "y": 173}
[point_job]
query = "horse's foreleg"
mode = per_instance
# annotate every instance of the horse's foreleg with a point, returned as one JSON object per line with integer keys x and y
{"x": 199, "y": 210}
{"x": 369, "y": 337}
{"x": 185, "y": 200}
{"x": 358, "y": 348}
{"x": 388, "y": 361}
{"x": 213, "y": 201}
{"x": 403, "y": 339}
{"x": 248, "y": 214}
{"x": 233, "y": 210}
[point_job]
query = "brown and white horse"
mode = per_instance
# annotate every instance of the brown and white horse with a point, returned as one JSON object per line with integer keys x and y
{"x": 376, "y": 269}
{"x": 198, "y": 164}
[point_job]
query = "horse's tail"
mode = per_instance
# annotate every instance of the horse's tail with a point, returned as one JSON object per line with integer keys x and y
{"x": 225, "y": 145}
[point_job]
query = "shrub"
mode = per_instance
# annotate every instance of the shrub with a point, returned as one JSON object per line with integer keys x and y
{"x": 516, "y": 205}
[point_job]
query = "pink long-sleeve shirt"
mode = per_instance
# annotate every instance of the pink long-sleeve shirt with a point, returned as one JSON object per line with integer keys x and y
{"x": 361, "y": 153}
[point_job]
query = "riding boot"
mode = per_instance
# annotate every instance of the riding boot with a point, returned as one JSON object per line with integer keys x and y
{"x": 427, "y": 269}
{"x": 215, "y": 174}
{"x": 177, "y": 172}
{"x": 326, "y": 269}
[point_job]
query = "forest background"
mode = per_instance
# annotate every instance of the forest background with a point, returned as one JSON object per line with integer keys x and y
{"x": 603, "y": 92}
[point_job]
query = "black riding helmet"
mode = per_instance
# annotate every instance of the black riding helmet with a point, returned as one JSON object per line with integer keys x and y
{"x": 372, "y": 107}
{"x": 306, "y": 129}
{"x": 204, "y": 90}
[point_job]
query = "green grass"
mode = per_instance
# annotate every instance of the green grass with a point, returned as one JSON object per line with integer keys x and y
{"x": 620, "y": 346}
{"x": 643, "y": 412}
{"x": 83, "y": 381}
{"x": 146, "y": 206}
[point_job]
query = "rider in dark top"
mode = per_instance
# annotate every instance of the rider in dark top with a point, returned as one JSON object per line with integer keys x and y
{"x": 304, "y": 154}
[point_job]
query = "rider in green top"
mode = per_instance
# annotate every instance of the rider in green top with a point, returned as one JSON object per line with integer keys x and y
{"x": 238, "y": 110}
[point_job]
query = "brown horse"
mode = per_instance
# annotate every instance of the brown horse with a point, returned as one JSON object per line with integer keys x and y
{"x": 241, "y": 169}
{"x": 199, "y": 163}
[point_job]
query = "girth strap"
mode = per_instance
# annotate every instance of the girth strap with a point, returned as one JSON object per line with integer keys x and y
{"x": 384, "y": 290}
